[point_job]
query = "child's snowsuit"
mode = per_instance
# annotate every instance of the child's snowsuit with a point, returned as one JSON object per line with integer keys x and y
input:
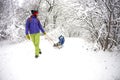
{"x": 61, "y": 41}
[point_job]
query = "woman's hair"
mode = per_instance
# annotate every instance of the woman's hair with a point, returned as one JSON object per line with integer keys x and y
{"x": 34, "y": 11}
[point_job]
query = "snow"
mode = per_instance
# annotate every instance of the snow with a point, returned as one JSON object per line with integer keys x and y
{"x": 75, "y": 61}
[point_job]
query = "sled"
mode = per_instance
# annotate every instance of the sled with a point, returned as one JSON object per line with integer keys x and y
{"x": 57, "y": 45}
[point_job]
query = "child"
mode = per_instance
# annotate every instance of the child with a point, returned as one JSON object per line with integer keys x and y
{"x": 61, "y": 41}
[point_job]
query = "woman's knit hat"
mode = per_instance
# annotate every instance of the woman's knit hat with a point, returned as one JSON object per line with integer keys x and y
{"x": 34, "y": 11}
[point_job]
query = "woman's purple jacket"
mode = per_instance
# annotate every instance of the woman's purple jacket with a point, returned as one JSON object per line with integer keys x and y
{"x": 33, "y": 26}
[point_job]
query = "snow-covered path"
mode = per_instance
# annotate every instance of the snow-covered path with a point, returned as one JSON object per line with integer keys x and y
{"x": 73, "y": 62}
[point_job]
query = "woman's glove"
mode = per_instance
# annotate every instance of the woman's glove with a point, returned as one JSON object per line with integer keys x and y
{"x": 28, "y": 37}
{"x": 44, "y": 33}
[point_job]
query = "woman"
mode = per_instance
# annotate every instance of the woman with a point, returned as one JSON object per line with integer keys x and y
{"x": 32, "y": 30}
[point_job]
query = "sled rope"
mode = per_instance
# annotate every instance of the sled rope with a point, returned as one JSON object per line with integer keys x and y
{"x": 50, "y": 39}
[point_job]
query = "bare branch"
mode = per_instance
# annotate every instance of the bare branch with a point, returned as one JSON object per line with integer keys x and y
{"x": 108, "y": 8}
{"x": 48, "y": 2}
{"x": 39, "y": 4}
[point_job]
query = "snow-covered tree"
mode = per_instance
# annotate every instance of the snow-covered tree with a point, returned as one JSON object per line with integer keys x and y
{"x": 110, "y": 11}
{"x": 7, "y": 8}
{"x": 95, "y": 20}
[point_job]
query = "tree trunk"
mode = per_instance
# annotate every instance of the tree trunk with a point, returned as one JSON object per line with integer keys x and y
{"x": 108, "y": 35}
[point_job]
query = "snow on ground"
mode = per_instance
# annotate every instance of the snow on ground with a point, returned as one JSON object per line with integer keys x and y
{"x": 73, "y": 62}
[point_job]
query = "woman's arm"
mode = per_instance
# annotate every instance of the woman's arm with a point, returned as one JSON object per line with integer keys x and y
{"x": 41, "y": 28}
{"x": 27, "y": 27}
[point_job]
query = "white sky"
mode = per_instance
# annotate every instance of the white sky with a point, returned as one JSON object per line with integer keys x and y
{"x": 20, "y": 2}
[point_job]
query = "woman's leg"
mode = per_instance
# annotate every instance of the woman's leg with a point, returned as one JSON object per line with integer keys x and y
{"x": 37, "y": 40}
{"x": 33, "y": 38}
